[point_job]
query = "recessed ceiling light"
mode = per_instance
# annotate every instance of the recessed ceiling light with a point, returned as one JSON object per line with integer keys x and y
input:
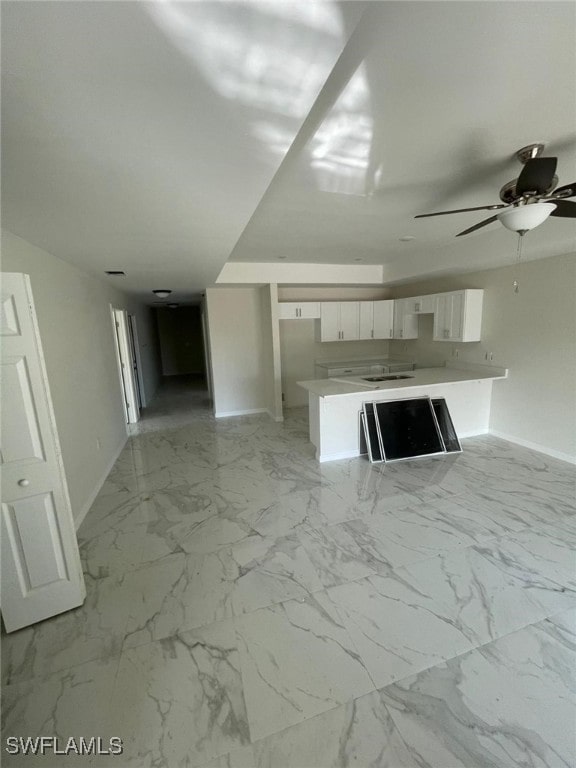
{"x": 406, "y": 238}
{"x": 117, "y": 272}
{"x": 162, "y": 293}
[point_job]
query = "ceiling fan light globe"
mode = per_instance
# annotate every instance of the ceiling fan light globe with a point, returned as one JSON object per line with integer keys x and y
{"x": 526, "y": 217}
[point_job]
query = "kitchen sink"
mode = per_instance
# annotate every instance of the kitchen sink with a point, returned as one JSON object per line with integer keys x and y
{"x": 394, "y": 377}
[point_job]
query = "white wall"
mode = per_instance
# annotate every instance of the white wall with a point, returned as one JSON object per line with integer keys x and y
{"x": 239, "y": 362}
{"x": 298, "y": 345}
{"x": 256, "y": 273}
{"x": 73, "y": 310}
{"x": 271, "y": 350}
{"x": 533, "y": 333}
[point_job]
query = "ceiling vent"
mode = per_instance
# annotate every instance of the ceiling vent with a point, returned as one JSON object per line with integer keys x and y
{"x": 117, "y": 272}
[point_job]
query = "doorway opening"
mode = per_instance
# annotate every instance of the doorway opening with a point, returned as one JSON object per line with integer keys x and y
{"x": 184, "y": 391}
{"x": 182, "y": 346}
{"x": 129, "y": 368}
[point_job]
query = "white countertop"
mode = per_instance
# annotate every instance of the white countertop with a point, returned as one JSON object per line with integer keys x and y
{"x": 421, "y": 377}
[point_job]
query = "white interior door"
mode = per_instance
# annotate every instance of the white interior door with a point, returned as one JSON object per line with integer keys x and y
{"x": 41, "y": 570}
{"x": 136, "y": 361}
{"x": 125, "y": 363}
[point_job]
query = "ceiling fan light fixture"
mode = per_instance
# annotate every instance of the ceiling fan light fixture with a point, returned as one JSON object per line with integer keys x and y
{"x": 525, "y": 217}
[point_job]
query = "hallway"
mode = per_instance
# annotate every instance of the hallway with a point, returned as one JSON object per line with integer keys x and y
{"x": 249, "y": 607}
{"x": 179, "y": 400}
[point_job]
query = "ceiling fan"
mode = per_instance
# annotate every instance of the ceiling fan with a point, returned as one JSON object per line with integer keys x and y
{"x": 529, "y": 199}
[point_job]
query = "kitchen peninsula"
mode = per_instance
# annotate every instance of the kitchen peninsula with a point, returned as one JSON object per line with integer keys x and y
{"x": 336, "y": 402}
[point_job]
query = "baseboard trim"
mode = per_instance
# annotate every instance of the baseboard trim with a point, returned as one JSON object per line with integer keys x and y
{"x": 86, "y": 507}
{"x": 249, "y": 412}
{"x": 277, "y": 419}
{"x": 535, "y": 446}
{"x": 337, "y": 456}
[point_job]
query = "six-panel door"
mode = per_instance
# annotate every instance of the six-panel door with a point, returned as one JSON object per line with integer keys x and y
{"x": 41, "y": 571}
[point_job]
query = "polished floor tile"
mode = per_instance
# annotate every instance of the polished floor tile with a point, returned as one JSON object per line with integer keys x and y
{"x": 430, "y": 611}
{"x": 509, "y": 703}
{"x": 180, "y": 700}
{"x": 73, "y": 702}
{"x": 250, "y": 608}
{"x": 297, "y": 660}
{"x": 360, "y": 732}
{"x": 95, "y": 630}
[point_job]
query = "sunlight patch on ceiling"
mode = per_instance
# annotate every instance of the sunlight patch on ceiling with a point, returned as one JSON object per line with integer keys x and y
{"x": 272, "y": 58}
{"x": 340, "y": 149}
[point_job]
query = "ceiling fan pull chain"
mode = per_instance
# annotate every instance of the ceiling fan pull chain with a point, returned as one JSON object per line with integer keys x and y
{"x": 516, "y": 284}
{"x": 519, "y": 247}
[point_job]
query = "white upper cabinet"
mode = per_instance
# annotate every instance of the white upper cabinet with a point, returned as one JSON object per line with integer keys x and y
{"x": 405, "y": 320}
{"x": 421, "y": 305}
{"x": 339, "y": 320}
{"x": 376, "y": 319}
{"x": 366, "y": 320}
{"x": 383, "y": 319}
{"x": 350, "y": 319}
{"x": 458, "y": 315}
{"x": 298, "y": 310}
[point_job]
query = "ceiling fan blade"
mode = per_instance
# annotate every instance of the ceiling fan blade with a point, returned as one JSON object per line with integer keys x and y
{"x": 462, "y": 210}
{"x": 536, "y": 176}
{"x": 565, "y": 209}
{"x": 477, "y": 226}
{"x": 568, "y": 190}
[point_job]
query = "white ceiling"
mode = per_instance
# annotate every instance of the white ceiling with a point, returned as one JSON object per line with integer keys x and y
{"x": 166, "y": 138}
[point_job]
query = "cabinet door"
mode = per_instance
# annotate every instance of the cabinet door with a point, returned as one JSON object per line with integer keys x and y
{"x": 405, "y": 322}
{"x": 383, "y": 313}
{"x": 412, "y": 305}
{"x": 349, "y": 320}
{"x": 309, "y": 310}
{"x": 329, "y": 321}
{"x": 448, "y": 317}
{"x": 288, "y": 310}
{"x": 293, "y": 310}
{"x": 442, "y": 314}
{"x": 426, "y": 304}
{"x": 367, "y": 320}
{"x": 456, "y": 316}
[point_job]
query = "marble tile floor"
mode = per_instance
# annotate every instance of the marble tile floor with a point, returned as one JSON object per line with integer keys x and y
{"x": 248, "y": 607}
